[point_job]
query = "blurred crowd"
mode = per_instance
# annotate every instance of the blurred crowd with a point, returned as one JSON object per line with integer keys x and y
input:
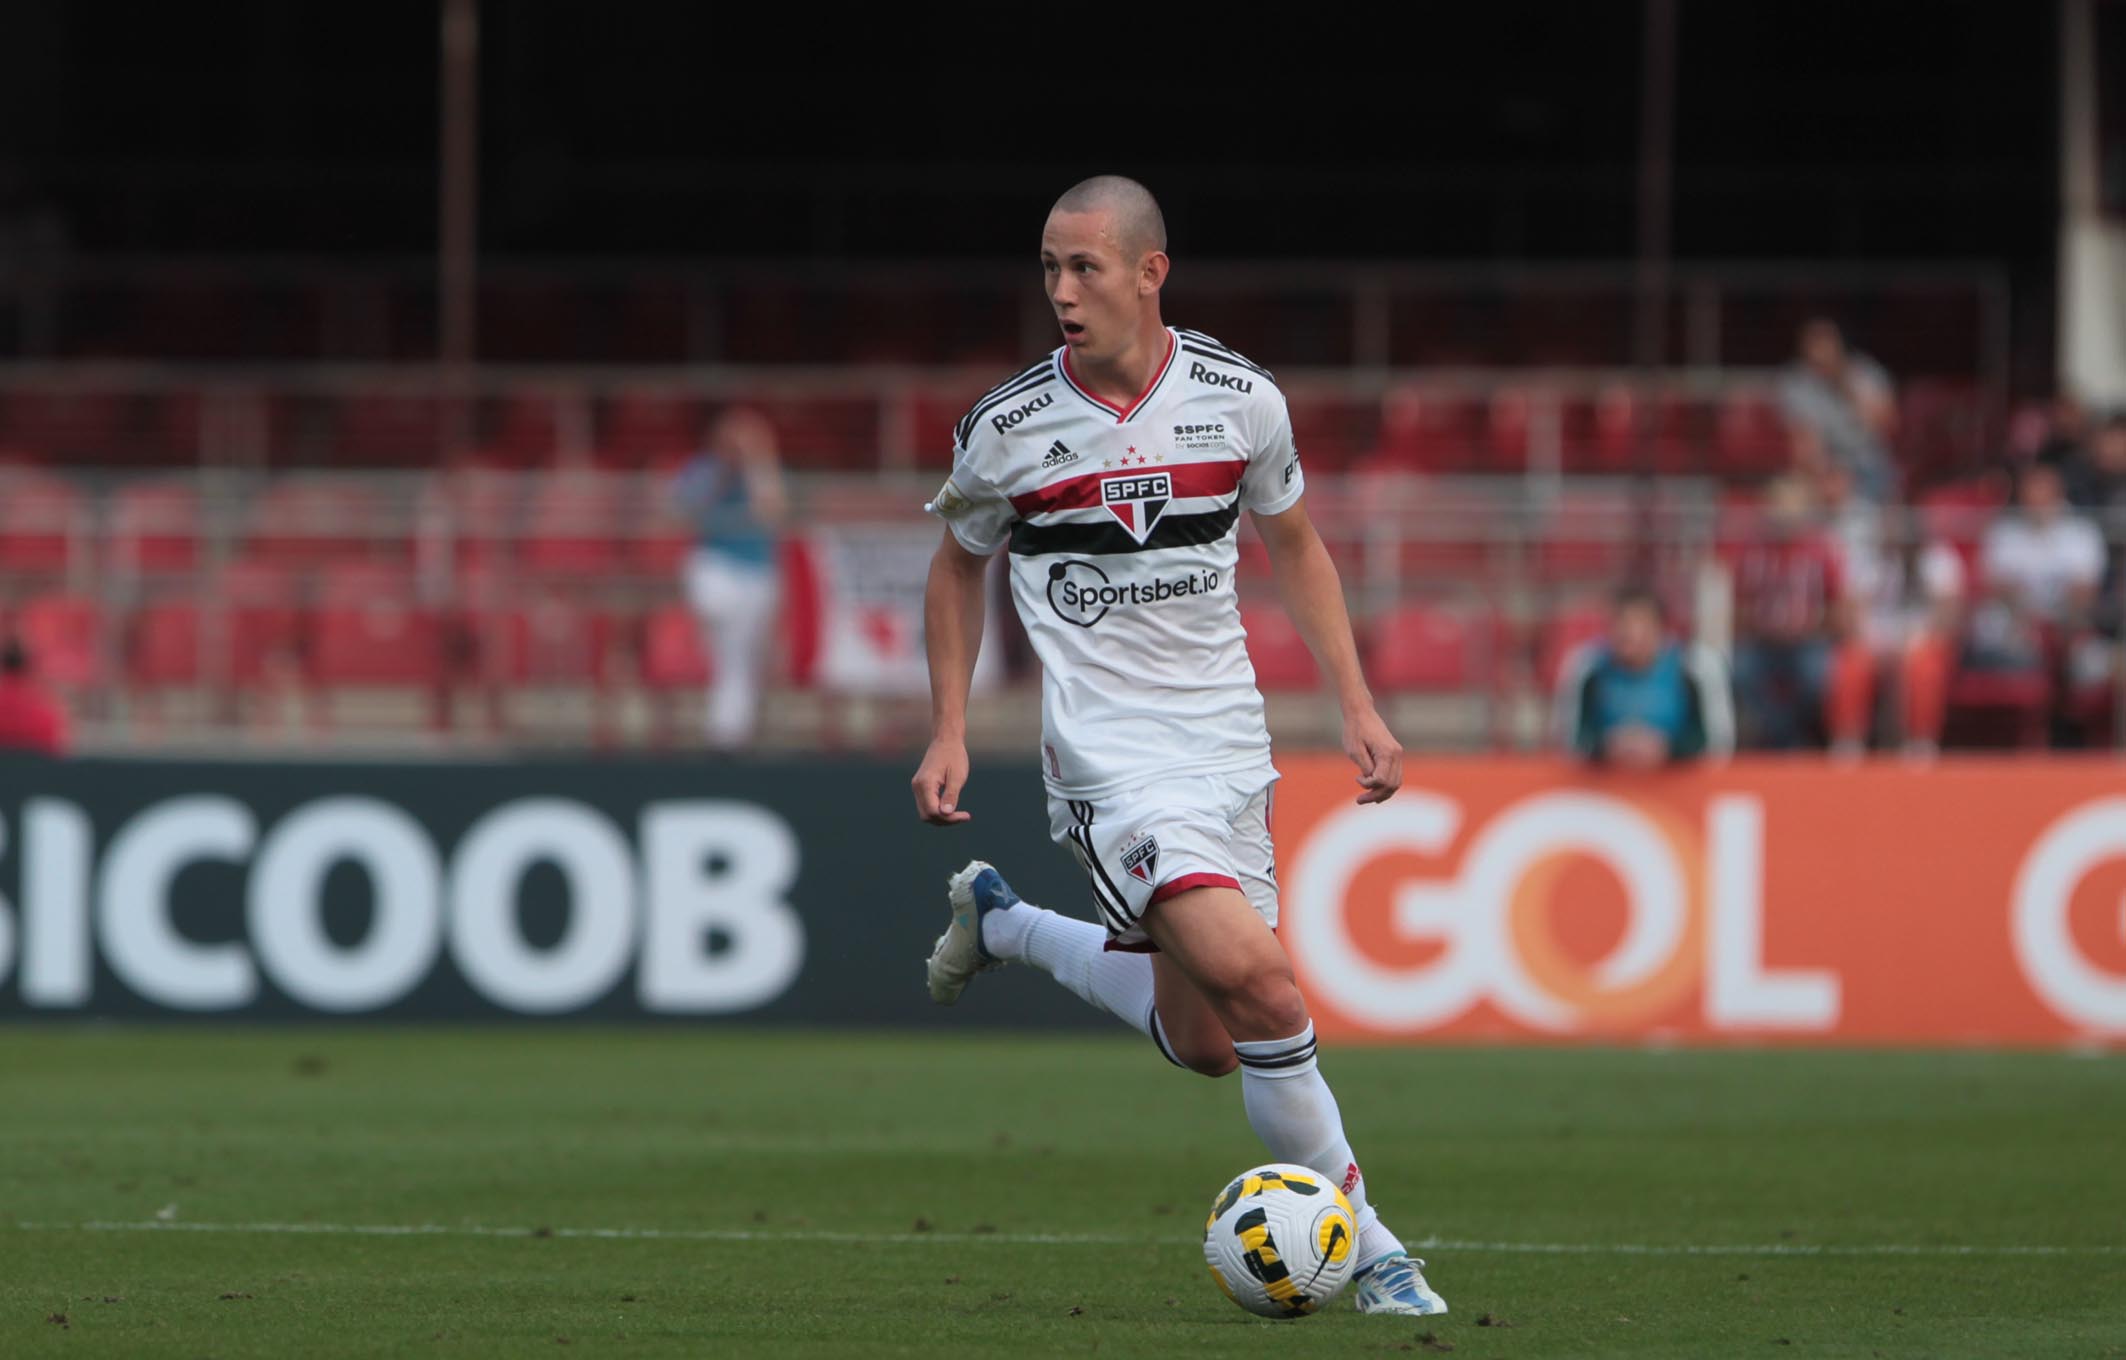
{"x": 1982, "y": 613}
{"x": 1863, "y": 604}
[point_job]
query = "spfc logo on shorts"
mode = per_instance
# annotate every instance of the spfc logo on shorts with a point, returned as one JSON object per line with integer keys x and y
{"x": 1140, "y": 859}
{"x": 1137, "y": 500}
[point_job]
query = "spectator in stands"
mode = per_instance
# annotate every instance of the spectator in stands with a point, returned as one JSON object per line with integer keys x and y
{"x": 2066, "y": 446}
{"x": 1907, "y": 586}
{"x": 1840, "y": 408}
{"x": 2108, "y": 463}
{"x": 2043, "y": 565}
{"x": 1799, "y": 668}
{"x": 30, "y": 718}
{"x": 2043, "y": 560}
{"x": 2107, "y": 466}
{"x": 733, "y": 492}
{"x": 1638, "y": 699}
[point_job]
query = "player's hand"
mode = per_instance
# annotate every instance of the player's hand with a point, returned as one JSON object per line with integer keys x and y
{"x": 1376, "y": 753}
{"x": 938, "y": 782}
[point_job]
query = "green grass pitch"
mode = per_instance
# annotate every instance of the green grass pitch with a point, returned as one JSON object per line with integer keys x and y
{"x": 717, "y": 1192}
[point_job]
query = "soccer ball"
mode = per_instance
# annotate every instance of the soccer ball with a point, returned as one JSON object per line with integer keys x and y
{"x": 1281, "y": 1241}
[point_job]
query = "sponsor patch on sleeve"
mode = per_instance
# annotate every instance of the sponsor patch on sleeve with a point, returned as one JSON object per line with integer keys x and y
{"x": 949, "y": 503}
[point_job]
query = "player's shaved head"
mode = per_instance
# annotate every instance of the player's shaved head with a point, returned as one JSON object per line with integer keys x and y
{"x": 1139, "y": 226}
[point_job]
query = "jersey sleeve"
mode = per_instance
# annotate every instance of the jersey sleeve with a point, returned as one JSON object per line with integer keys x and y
{"x": 1273, "y": 481}
{"x": 979, "y": 515}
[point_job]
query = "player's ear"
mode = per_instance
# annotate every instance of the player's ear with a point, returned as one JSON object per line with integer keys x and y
{"x": 1151, "y": 275}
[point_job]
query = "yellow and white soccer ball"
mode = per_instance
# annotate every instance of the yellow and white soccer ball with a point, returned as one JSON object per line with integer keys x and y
{"x": 1281, "y": 1241}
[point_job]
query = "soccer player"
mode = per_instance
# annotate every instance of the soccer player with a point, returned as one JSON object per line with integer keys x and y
{"x": 1115, "y": 471}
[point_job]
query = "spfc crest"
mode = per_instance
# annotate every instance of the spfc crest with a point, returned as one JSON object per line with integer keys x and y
{"x": 1137, "y": 499}
{"x": 1140, "y": 859}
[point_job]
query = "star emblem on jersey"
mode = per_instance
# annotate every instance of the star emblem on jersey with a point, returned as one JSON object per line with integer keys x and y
{"x": 1140, "y": 859}
{"x": 1137, "y": 500}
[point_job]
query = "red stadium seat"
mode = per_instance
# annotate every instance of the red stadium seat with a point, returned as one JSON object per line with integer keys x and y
{"x": 388, "y": 429}
{"x": 307, "y": 521}
{"x": 1589, "y": 537}
{"x": 1562, "y": 634}
{"x": 1428, "y": 647}
{"x": 573, "y": 527}
{"x": 2000, "y": 708}
{"x": 1749, "y": 437}
{"x": 265, "y": 624}
{"x": 673, "y": 654}
{"x": 164, "y": 647}
{"x": 41, "y": 518}
{"x": 1508, "y": 427}
{"x": 374, "y": 643}
{"x": 547, "y": 641}
{"x": 646, "y": 426}
{"x": 155, "y": 527}
{"x": 526, "y": 430}
{"x": 64, "y": 633}
{"x": 1279, "y": 653}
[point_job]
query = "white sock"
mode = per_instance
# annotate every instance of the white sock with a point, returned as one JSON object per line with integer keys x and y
{"x": 1294, "y": 1113}
{"x": 1074, "y": 953}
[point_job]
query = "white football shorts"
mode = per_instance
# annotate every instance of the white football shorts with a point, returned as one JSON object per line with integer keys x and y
{"x": 1142, "y": 845}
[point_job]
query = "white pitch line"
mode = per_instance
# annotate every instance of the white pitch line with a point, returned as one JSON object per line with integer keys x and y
{"x": 1053, "y": 1239}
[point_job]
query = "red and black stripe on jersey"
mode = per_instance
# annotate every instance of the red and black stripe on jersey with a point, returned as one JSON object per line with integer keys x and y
{"x": 1190, "y": 481}
{"x": 1085, "y": 540}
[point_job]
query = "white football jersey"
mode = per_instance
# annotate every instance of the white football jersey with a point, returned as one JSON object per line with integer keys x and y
{"x": 1121, "y": 528}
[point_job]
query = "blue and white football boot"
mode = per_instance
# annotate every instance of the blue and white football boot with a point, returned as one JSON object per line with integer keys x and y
{"x": 1394, "y": 1284}
{"x": 974, "y": 891}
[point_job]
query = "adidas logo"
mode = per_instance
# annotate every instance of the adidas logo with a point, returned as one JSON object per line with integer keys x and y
{"x": 1058, "y": 454}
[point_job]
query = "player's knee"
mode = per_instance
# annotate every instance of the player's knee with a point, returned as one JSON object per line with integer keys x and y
{"x": 1210, "y": 1060}
{"x": 1263, "y": 1003}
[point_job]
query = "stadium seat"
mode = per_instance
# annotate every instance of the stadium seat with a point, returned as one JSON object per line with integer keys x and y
{"x": 1508, "y": 427}
{"x": 308, "y": 521}
{"x": 387, "y": 429}
{"x": 266, "y": 642}
{"x": 524, "y": 430}
{"x": 1424, "y": 647}
{"x": 673, "y": 653}
{"x": 548, "y": 640}
{"x": 1562, "y": 633}
{"x": 1749, "y": 437}
{"x": 1588, "y": 537}
{"x": 1279, "y": 653}
{"x": 65, "y": 635}
{"x": 573, "y": 525}
{"x": 42, "y": 518}
{"x": 1999, "y": 708}
{"x": 154, "y": 527}
{"x": 379, "y": 642}
{"x": 164, "y": 645}
{"x": 64, "y": 426}
{"x": 642, "y": 426}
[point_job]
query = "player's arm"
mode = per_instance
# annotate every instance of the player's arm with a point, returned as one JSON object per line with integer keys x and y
{"x": 952, "y": 639}
{"x": 1314, "y": 597}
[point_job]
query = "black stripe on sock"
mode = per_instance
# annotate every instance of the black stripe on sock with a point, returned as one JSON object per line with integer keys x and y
{"x": 1293, "y": 1047}
{"x": 1158, "y": 1033}
{"x": 1299, "y": 1058}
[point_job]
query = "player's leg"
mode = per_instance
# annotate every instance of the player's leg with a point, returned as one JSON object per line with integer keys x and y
{"x": 1218, "y": 942}
{"x": 1107, "y": 965}
{"x": 992, "y": 925}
